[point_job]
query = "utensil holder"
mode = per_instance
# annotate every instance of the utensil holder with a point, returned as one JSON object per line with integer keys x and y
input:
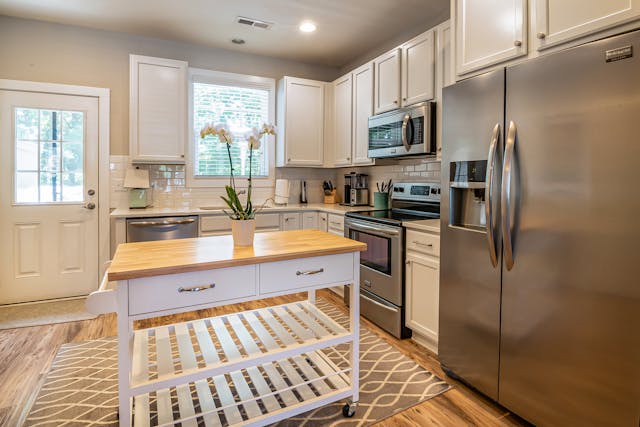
{"x": 380, "y": 200}
{"x": 332, "y": 198}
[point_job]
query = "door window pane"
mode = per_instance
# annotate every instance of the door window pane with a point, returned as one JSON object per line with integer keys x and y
{"x": 72, "y": 183}
{"x": 50, "y": 124}
{"x": 27, "y": 155}
{"x": 72, "y": 157}
{"x": 49, "y": 156}
{"x": 27, "y": 187}
{"x": 72, "y": 126}
{"x": 50, "y": 188}
{"x": 27, "y": 123}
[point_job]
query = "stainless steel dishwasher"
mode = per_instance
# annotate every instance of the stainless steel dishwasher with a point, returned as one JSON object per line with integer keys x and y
{"x": 162, "y": 228}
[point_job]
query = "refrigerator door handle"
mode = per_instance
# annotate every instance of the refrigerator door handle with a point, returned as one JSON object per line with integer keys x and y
{"x": 488, "y": 205}
{"x": 505, "y": 198}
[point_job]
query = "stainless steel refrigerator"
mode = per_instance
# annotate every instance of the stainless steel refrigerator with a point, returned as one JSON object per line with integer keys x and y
{"x": 540, "y": 244}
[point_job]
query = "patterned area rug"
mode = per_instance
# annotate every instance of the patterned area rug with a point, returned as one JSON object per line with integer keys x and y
{"x": 81, "y": 388}
{"x": 43, "y": 313}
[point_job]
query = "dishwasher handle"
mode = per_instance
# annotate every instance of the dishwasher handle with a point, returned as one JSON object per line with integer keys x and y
{"x": 162, "y": 222}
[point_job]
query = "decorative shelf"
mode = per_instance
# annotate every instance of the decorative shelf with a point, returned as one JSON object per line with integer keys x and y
{"x": 237, "y": 368}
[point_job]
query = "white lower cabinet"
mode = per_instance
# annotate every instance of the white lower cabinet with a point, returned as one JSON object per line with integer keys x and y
{"x": 216, "y": 225}
{"x": 422, "y": 282}
{"x": 336, "y": 224}
{"x": 310, "y": 221}
{"x": 323, "y": 221}
{"x": 290, "y": 221}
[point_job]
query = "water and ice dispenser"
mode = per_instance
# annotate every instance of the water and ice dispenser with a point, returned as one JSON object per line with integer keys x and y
{"x": 467, "y": 194}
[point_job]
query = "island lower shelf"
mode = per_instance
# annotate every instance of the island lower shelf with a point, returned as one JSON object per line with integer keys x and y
{"x": 239, "y": 368}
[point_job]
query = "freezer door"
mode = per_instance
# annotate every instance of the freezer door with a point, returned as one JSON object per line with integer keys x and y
{"x": 570, "y": 347}
{"x": 468, "y": 342}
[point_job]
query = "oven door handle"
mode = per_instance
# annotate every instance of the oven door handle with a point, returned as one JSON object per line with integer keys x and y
{"x": 386, "y": 307}
{"x": 373, "y": 230}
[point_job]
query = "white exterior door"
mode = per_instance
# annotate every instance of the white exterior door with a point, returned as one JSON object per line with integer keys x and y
{"x": 48, "y": 198}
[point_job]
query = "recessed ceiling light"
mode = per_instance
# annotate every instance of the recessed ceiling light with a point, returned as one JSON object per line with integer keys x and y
{"x": 307, "y": 27}
{"x": 237, "y": 41}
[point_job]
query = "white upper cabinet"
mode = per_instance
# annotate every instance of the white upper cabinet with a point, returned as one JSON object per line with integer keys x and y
{"x": 445, "y": 74}
{"x": 387, "y": 81}
{"x": 157, "y": 109}
{"x": 418, "y": 67}
{"x": 489, "y": 32}
{"x": 558, "y": 21}
{"x": 342, "y": 93}
{"x": 300, "y": 139}
{"x": 362, "y": 110}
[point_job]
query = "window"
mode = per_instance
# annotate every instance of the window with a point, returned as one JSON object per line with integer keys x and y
{"x": 241, "y": 102}
{"x": 48, "y": 156}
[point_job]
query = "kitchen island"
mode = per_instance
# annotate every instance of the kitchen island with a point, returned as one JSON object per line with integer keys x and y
{"x": 249, "y": 368}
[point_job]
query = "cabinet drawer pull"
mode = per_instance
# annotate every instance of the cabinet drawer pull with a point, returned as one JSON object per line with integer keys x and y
{"x": 310, "y": 272}
{"x": 430, "y": 245}
{"x": 196, "y": 288}
{"x": 336, "y": 223}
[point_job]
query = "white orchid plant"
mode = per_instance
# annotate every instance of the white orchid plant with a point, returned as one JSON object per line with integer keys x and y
{"x": 254, "y": 141}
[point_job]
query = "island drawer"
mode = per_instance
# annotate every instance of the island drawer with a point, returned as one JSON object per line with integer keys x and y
{"x": 425, "y": 243}
{"x": 151, "y": 294}
{"x": 304, "y": 272}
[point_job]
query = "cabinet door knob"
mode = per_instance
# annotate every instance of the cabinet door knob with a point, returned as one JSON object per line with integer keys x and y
{"x": 289, "y": 159}
{"x": 517, "y": 43}
{"x": 348, "y": 158}
{"x": 395, "y": 102}
{"x": 404, "y": 99}
{"x": 541, "y": 35}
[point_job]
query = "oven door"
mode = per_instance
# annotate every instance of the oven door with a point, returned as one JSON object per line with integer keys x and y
{"x": 381, "y": 264}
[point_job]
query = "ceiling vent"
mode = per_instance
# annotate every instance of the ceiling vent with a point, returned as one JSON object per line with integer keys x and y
{"x": 254, "y": 23}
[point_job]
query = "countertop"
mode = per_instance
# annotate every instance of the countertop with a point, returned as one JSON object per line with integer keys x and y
{"x": 146, "y": 259}
{"x": 432, "y": 225}
{"x": 149, "y": 212}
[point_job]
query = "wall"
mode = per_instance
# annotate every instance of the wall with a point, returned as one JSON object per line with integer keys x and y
{"x": 46, "y": 52}
{"x": 170, "y": 190}
{"x": 394, "y": 42}
{"x": 409, "y": 170}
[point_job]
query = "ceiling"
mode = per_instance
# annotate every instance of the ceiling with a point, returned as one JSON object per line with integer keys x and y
{"x": 346, "y": 30}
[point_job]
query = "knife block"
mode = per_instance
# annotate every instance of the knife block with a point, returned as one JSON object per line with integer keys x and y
{"x": 331, "y": 199}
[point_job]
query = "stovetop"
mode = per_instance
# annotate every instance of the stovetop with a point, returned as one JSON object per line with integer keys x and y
{"x": 410, "y": 202}
{"x": 395, "y": 216}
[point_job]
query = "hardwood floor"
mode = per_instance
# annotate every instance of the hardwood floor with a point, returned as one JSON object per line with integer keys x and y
{"x": 26, "y": 354}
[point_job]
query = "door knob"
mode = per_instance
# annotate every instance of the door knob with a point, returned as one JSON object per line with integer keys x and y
{"x": 90, "y": 206}
{"x": 517, "y": 43}
{"x": 541, "y": 35}
{"x": 91, "y": 192}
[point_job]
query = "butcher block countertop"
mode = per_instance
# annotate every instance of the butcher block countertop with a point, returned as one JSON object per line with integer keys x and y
{"x": 145, "y": 259}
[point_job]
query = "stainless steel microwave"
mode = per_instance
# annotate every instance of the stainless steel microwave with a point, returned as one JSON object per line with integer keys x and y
{"x": 407, "y": 131}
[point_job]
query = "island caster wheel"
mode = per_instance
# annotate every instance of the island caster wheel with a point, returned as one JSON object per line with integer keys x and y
{"x": 349, "y": 409}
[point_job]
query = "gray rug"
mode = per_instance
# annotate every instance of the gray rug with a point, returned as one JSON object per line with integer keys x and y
{"x": 43, "y": 313}
{"x": 81, "y": 387}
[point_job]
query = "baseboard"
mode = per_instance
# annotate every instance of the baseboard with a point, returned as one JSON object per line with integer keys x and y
{"x": 426, "y": 342}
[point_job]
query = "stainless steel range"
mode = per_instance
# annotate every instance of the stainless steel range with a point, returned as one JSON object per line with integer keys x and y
{"x": 382, "y": 294}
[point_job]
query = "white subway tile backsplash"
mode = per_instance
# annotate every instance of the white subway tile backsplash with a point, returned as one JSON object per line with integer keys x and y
{"x": 170, "y": 190}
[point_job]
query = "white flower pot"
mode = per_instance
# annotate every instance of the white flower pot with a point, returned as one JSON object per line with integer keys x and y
{"x": 243, "y": 231}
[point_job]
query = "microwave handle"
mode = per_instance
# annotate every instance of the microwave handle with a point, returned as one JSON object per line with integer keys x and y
{"x": 407, "y": 131}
